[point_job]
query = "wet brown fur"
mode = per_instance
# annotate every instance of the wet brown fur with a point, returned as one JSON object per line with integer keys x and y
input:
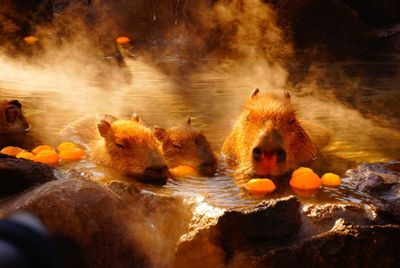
{"x": 262, "y": 115}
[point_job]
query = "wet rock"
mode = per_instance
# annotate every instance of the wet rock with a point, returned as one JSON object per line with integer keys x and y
{"x": 216, "y": 235}
{"x": 320, "y": 218}
{"x": 110, "y": 231}
{"x": 381, "y": 183}
{"x": 17, "y": 175}
{"x": 345, "y": 245}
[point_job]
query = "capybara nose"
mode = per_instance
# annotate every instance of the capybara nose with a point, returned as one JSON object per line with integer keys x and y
{"x": 207, "y": 168}
{"x": 257, "y": 153}
{"x": 156, "y": 174}
{"x": 280, "y": 153}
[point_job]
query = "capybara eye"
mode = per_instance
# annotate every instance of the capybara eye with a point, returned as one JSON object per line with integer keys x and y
{"x": 177, "y": 146}
{"x": 293, "y": 121}
{"x": 119, "y": 145}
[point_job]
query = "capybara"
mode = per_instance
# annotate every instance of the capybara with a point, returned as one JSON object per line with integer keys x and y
{"x": 185, "y": 145}
{"x": 125, "y": 145}
{"x": 268, "y": 139}
{"x": 13, "y": 125}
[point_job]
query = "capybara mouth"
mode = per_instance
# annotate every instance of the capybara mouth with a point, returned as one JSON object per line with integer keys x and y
{"x": 153, "y": 175}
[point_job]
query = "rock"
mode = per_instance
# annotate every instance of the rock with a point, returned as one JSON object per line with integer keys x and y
{"x": 346, "y": 245}
{"x": 380, "y": 182}
{"x": 17, "y": 175}
{"x": 216, "y": 235}
{"x": 320, "y": 218}
{"x": 110, "y": 231}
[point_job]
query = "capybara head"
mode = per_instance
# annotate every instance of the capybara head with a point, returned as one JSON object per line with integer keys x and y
{"x": 268, "y": 139}
{"x": 184, "y": 145}
{"x": 11, "y": 117}
{"x": 132, "y": 149}
{"x": 13, "y": 125}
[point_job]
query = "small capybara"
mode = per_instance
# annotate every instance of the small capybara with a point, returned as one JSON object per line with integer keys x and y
{"x": 125, "y": 145}
{"x": 185, "y": 145}
{"x": 13, "y": 125}
{"x": 268, "y": 139}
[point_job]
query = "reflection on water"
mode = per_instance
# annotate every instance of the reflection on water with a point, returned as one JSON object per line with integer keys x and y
{"x": 52, "y": 97}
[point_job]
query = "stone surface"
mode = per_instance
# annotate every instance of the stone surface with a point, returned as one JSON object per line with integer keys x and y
{"x": 17, "y": 175}
{"x": 380, "y": 182}
{"x": 216, "y": 235}
{"x": 345, "y": 245}
{"x": 111, "y": 231}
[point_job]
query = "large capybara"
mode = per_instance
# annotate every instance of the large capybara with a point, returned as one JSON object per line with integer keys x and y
{"x": 185, "y": 145}
{"x": 13, "y": 125}
{"x": 268, "y": 139}
{"x": 125, "y": 145}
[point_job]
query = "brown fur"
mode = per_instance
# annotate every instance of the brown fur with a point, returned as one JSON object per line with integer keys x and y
{"x": 270, "y": 123}
{"x": 13, "y": 125}
{"x": 125, "y": 145}
{"x": 184, "y": 145}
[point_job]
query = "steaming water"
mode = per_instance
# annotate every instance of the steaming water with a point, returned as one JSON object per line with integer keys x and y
{"x": 53, "y": 96}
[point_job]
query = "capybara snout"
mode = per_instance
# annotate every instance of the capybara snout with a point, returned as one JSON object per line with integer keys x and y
{"x": 268, "y": 139}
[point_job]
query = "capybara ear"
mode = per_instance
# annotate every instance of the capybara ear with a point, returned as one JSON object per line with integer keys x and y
{"x": 135, "y": 117}
{"x": 15, "y": 103}
{"x": 105, "y": 129}
{"x": 287, "y": 95}
{"x": 255, "y": 93}
{"x": 108, "y": 117}
{"x": 189, "y": 121}
{"x": 160, "y": 134}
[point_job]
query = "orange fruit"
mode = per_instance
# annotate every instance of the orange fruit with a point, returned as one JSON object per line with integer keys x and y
{"x": 122, "y": 40}
{"x": 25, "y": 155}
{"x": 183, "y": 171}
{"x": 331, "y": 179}
{"x": 30, "y": 39}
{"x": 66, "y": 146}
{"x": 40, "y": 148}
{"x": 72, "y": 154}
{"x": 49, "y": 157}
{"x": 260, "y": 186}
{"x": 305, "y": 179}
{"x": 11, "y": 150}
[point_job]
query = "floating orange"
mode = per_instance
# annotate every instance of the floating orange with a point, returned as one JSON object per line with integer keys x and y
{"x": 49, "y": 157}
{"x": 66, "y": 146}
{"x": 122, "y": 40}
{"x": 331, "y": 179}
{"x": 72, "y": 154}
{"x": 260, "y": 186}
{"x": 25, "y": 155}
{"x": 31, "y": 39}
{"x": 305, "y": 179}
{"x": 40, "y": 148}
{"x": 183, "y": 171}
{"x": 12, "y": 150}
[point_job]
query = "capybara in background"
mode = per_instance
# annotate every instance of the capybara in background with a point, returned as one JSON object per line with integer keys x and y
{"x": 125, "y": 145}
{"x": 185, "y": 145}
{"x": 13, "y": 125}
{"x": 268, "y": 139}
